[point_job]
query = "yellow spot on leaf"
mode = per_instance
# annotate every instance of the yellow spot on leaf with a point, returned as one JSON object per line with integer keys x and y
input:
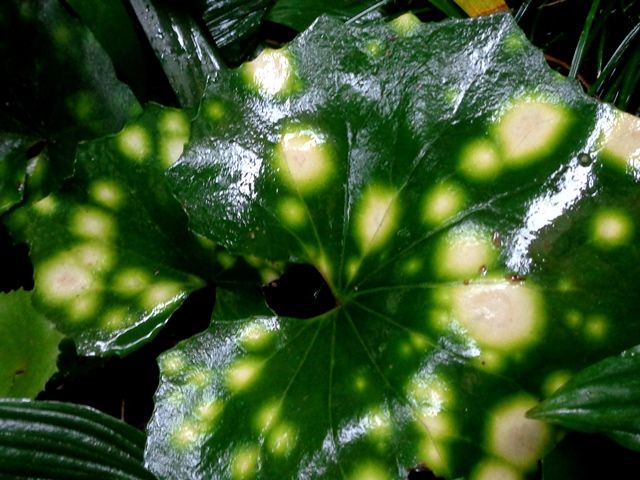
{"x": 375, "y": 218}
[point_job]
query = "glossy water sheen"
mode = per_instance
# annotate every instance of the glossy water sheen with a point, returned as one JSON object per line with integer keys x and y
{"x": 432, "y": 174}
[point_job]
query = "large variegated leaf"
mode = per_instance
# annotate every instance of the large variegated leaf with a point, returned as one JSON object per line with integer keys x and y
{"x": 476, "y": 218}
{"x": 112, "y": 254}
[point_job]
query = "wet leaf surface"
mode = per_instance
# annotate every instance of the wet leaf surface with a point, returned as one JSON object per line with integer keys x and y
{"x": 434, "y": 175}
{"x": 112, "y": 254}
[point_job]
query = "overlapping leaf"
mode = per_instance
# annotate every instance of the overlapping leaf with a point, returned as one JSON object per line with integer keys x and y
{"x": 28, "y": 346}
{"x": 56, "y": 82}
{"x": 112, "y": 254}
{"x": 56, "y": 441}
{"x": 13, "y": 168}
{"x": 476, "y": 218}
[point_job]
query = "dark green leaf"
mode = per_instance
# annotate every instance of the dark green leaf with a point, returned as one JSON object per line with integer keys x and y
{"x": 183, "y": 50}
{"x": 476, "y": 218}
{"x": 56, "y": 82}
{"x": 588, "y": 457}
{"x": 56, "y": 441}
{"x": 28, "y": 347}
{"x": 604, "y": 398}
{"x": 299, "y": 14}
{"x": 114, "y": 28}
{"x": 112, "y": 254}
{"x": 13, "y": 167}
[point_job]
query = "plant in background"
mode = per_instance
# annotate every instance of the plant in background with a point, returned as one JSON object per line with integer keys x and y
{"x": 466, "y": 220}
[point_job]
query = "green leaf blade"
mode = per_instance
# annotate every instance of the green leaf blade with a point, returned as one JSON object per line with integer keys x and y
{"x": 472, "y": 250}
{"x": 29, "y": 347}
{"x": 602, "y": 398}
{"x": 56, "y": 441}
{"x": 112, "y": 253}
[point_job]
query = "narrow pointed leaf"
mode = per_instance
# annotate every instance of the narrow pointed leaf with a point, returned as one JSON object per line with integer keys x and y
{"x": 56, "y": 441}
{"x": 112, "y": 254}
{"x": 300, "y": 14}
{"x": 28, "y": 346}
{"x": 603, "y": 398}
{"x": 474, "y": 8}
{"x": 476, "y": 217}
{"x": 56, "y": 82}
{"x": 183, "y": 50}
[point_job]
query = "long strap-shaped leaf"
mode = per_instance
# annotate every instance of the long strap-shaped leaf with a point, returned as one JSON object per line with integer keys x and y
{"x": 50, "y": 440}
{"x": 604, "y": 397}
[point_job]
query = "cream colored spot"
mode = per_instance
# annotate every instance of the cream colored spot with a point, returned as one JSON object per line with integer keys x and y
{"x": 209, "y": 412}
{"x": 106, "y": 193}
{"x": 214, "y": 110}
{"x": 530, "y": 129}
{"x": 434, "y": 453}
{"x": 175, "y": 123}
{"x": 172, "y": 363}
{"x": 515, "y": 438}
{"x": 271, "y": 73}
{"x": 406, "y": 24}
{"x": 115, "y": 318}
{"x": 186, "y": 434}
{"x": 351, "y": 268}
{"x": 161, "y": 293}
{"x": 130, "y": 281}
{"x": 622, "y": 142}
{"x": 292, "y": 212}
{"x": 170, "y": 150}
{"x": 479, "y": 161}
{"x": 134, "y": 142}
{"x": 89, "y": 222}
{"x": 243, "y": 374}
{"x": 370, "y": 470}
{"x": 282, "y": 439}
{"x": 442, "y": 203}
{"x": 199, "y": 377}
{"x": 438, "y": 426}
{"x": 376, "y": 218}
{"x": 61, "y": 279}
{"x": 378, "y": 424}
{"x": 499, "y": 314}
{"x": 226, "y": 260}
{"x": 374, "y": 48}
{"x": 244, "y": 463}
{"x": 430, "y": 394}
{"x": 554, "y": 381}
{"x": 94, "y": 256}
{"x": 412, "y": 266}
{"x": 304, "y": 160}
{"x": 83, "y": 308}
{"x": 266, "y": 416}
{"x": 464, "y": 252}
{"x": 495, "y": 470}
{"x": 596, "y": 327}
{"x": 46, "y": 206}
{"x": 611, "y": 228}
{"x": 256, "y": 336}
{"x": 573, "y": 318}
{"x": 360, "y": 383}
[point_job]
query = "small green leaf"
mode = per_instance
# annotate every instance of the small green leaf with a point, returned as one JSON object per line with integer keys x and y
{"x": 56, "y": 441}
{"x": 187, "y": 58}
{"x": 28, "y": 346}
{"x": 112, "y": 254}
{"x": 476, "y": 217}
{"x": 603, "y": 398}
{"x": 56, "y": 82}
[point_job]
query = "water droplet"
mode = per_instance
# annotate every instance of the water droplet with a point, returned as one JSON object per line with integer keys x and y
{"x": 585, "y": 159}
{"x": 496, "y": 239}
{"x": 483, "y": 270}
